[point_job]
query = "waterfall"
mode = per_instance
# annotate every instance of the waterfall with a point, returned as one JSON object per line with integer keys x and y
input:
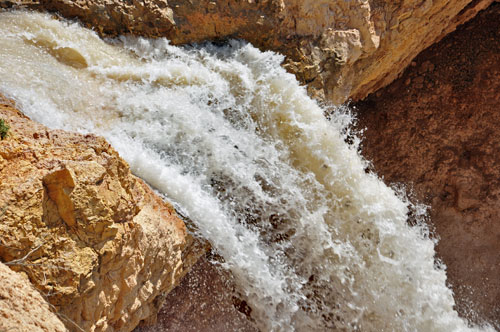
{"x": 313, "y": 240}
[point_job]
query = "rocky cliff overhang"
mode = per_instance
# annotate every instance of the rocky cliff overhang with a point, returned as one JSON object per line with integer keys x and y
{"x": 341, "y": 49}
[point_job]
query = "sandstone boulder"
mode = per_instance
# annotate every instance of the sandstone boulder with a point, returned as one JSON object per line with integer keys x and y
{"x": 22, "y": 308}
{"x": 95, "y": 241}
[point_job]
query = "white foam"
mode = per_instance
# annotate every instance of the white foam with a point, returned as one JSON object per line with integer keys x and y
{"x": 313, "y": 241}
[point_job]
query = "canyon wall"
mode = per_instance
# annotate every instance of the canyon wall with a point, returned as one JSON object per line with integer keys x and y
{"x": 85, "y": 231}
{"x": 93, "y": 239}
{"x": 340, "y": 49}
{"x": 436, "y": 130}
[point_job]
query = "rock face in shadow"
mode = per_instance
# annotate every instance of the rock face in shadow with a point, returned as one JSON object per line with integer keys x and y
{"x": 341, "y": 49}
{"x": 22, "y": 308}
{"x": 93, "y": 239}
{"x": 437, "y": 128}
{"x": 203, "y": 301}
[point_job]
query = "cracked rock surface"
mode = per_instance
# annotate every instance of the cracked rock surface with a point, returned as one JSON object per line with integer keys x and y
{"x": 93, "y": 239}
{"x": 22, "y": 307}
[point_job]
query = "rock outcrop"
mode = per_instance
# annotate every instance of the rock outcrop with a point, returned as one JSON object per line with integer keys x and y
{"x": 437, "y": 129}
{"x": 94, "y": 240}
{"x": 341, "y": 49}
{"x": 22, "y": 308}
{"x": 102, "y": 249}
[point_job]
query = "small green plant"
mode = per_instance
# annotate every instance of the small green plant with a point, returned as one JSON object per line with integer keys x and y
{"x": 4, "y": 129}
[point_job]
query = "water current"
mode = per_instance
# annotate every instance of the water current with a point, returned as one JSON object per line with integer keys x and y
{"x": 313, "y": 240}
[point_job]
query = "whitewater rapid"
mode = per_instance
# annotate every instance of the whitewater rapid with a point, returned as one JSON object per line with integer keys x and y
{"x": 313, "y": 240}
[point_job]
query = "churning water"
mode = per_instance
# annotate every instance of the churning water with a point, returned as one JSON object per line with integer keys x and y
{"x": 313, "y": 241}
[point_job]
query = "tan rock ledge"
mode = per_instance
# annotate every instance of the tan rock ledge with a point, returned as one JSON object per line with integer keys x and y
{"x": 93, "y": 239}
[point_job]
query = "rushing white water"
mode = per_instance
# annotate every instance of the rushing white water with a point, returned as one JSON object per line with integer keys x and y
{"x": 314, "y": 242}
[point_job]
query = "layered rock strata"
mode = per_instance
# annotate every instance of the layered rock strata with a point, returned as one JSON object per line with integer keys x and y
{"x": 341, "y": 49}
{"x": 437, "y": 130}
{"x": 94, "y": 240}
